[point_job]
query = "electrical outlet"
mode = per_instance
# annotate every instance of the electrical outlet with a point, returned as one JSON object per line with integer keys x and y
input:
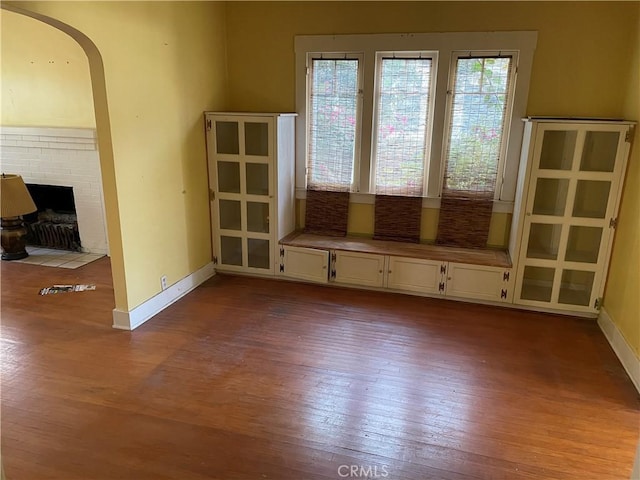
{"x": 163, "y": 282}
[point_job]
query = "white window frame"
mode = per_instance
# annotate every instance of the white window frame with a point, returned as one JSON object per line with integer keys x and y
{"x": 445, "y": 44}
{"x": 508, "y": 124}
{"x": 355, "y": 180}
{"x": 433, "y": 56}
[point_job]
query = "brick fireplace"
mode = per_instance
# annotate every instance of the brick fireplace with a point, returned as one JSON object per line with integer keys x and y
{"x": 65, "y": 157}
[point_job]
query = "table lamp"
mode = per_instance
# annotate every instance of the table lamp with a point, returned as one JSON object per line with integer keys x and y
{"x": 15, "y": 201}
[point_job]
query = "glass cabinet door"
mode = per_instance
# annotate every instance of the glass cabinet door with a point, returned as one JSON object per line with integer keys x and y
{"x": 244, "y": 192}
{"x": 574, "y": 183}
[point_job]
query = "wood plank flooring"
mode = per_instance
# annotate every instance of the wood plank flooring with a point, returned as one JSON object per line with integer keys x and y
{"x": 262, "y": 379}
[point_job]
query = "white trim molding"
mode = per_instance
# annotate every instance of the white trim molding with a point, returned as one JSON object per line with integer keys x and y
{"x": 130, "y": 320}
{"x": 622, "y": 349}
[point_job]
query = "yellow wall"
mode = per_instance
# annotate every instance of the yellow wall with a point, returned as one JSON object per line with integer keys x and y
{"x": 164, "y": 64}
{"x": 45, "y": 76}
{"x": 565, "y": 79}
{"x": 622, "y": 296}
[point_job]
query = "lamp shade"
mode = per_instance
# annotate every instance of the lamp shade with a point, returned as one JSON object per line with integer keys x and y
{"x": 14, "y": 197}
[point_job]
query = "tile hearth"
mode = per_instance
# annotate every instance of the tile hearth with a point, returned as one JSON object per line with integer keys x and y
{"x": 48, "y": 257}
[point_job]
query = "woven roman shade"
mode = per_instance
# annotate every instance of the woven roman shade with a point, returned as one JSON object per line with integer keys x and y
{"x": 478, "y": 103}
{"x": 402, "y": 122}
{"x": 326, "y": 213}
{"x": 397, "y": 218}
{"x": 464, "y": 221}
{"x": 332, "y": 131}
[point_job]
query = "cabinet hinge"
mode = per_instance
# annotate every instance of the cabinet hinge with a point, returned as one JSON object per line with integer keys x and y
{"x": 443, "y": 269}
{"x": 597, "y": 304}
{"x": 215, "y": 260}
{"x": 208, "y": 125}
{"x": 212, "y": 195}
{"x": 282, "y": 251}
{"x": 281, "y": 267}
{"x": 441, "y": 287}
{"x": 628, "y": 136}
{"x": 505, "y": 277}
{"x": 613, "y": 223}
{"x": 503, "y": 293}
{"x": 333, "y": 274}
{"x": 333, "y": 257}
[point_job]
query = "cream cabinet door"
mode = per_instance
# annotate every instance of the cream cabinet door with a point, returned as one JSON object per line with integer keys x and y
{"x": 569, "y": 214}
{"x": 306, "y": 264}
{"x": 363, "y": 269}
{"x": 241, "y": 154}
{"x": 416, "y": 275}
{"x": 479, "y": 282}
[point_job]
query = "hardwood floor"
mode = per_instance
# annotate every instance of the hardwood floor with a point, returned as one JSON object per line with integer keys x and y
{"x": 262, "y": 379}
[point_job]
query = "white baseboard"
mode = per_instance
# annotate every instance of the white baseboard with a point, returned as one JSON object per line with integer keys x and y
{"x": 129, "y": 320}
{"x": 625, "y": 353}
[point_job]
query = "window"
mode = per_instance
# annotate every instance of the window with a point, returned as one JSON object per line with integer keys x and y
{"x": 403, "y": 123}
{"x": 333, "y": 123}
{"x": 411, "y": 114}
{"x": 479, "y": 109}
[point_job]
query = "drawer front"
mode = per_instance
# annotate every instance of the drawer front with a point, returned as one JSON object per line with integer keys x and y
{"x": 415, "y": 275}
{"x": 479, "y": 282}
{"x": 359, "y": 269}
{"x": 306, "y": 264}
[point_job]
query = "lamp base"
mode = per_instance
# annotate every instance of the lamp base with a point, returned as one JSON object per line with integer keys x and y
{"x": 13, "y": 239}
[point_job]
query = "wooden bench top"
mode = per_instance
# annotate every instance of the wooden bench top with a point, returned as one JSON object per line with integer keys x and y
{"x": 489, "y": 257}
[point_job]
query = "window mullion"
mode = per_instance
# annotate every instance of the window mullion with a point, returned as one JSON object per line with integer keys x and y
{"x": 363, "y": 181}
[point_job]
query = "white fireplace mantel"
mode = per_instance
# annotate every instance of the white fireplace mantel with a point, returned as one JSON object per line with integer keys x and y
{"x": 65, "y": 157}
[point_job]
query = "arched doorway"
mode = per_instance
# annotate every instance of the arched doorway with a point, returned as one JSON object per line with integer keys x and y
{"x": 102, "y": 125}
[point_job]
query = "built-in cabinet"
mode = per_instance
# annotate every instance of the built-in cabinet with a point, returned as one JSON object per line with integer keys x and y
{"x": 251, "y": 181}
{"x": 405, "y": 274}
{"x": 565, "y": 213}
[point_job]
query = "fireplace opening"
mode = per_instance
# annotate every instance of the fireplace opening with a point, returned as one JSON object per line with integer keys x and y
{"x": 55, "y": 223}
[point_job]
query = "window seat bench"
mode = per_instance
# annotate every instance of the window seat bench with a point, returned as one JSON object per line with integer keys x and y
{"x": 462, "y": 273}
{"x": 487, "y": 256}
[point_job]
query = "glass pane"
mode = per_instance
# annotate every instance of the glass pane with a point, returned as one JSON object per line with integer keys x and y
{"x": 230, "y": 215}
{"x": 258, "y": 253}
{"x": 583, "y": 244}
{"x": 231, "y": 250}
{"x": 258, "y": 217}
{"x": 599, "y": 154}
{"x": 257, "y": 179}
{"x": 537, "y": 283}
{"x": 227, "y": 138}
{"x": 478, "y": 113}
{"x": 557, "y": 149}
{"x": 551, "y": 196}
{"x": 403, "y": 108}
{"x": 229, "y": 177}
{"x": 576, "y": 287}
{"x": 333, "y": 116}
{"x": 592, "y": 199}
{"x": 544, "y": 240}
{"x": 256, "y": 139}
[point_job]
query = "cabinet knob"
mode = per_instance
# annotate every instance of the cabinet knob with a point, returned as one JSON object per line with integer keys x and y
{"x": 528, "y": 214}
{"x": 389, "y": 271}
{"x": 379, "y": 271}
